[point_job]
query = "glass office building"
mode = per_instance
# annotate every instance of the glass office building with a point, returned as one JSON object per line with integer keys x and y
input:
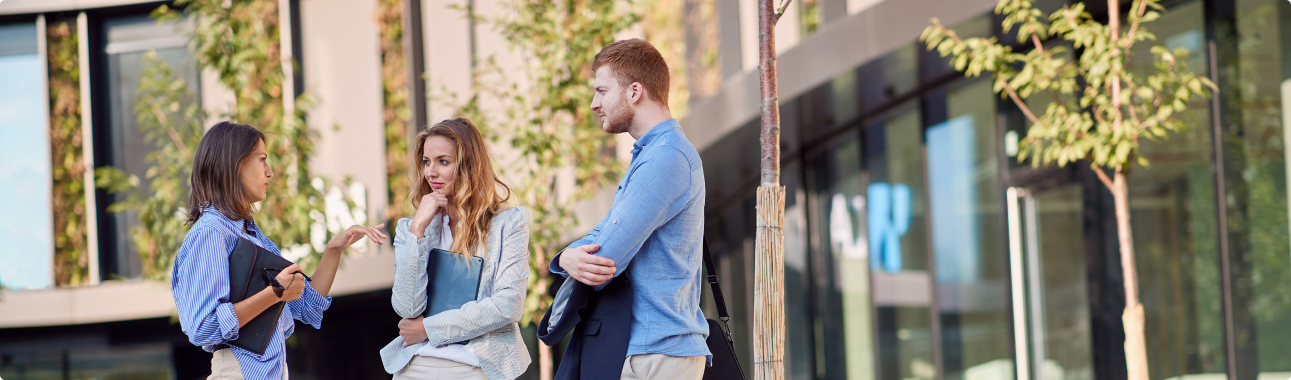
{"x": 918, "y": 247}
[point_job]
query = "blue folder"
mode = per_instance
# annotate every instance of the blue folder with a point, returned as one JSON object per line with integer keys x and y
{"x": 454, "y": 280}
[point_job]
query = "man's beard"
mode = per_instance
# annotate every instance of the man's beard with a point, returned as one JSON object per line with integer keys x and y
{"x": 620, "y": 119}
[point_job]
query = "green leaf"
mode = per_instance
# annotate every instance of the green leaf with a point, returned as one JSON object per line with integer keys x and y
{"x": 1145, "y": 93}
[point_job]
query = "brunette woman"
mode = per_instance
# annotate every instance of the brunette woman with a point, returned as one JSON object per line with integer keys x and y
{"x": 230, "y": 174}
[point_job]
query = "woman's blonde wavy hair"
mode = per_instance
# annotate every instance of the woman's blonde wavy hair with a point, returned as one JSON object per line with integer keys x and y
{"x": 478, "y": 193}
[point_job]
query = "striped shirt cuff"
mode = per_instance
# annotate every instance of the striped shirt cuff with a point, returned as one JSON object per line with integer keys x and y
{"x": 228, "y": 321}
{"x": 311, "y": 305}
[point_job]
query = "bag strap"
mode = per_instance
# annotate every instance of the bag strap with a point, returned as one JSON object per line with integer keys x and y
{"x": 717, "y": 288}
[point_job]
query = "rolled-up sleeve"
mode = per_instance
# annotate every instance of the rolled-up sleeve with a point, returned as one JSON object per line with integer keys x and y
{"x": 200, "y": 284}
{"x": 554, "y": 266}
{"x": 310, "y": 306}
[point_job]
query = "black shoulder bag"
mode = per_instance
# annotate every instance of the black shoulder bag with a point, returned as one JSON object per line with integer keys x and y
{"x": 726, "y": 365}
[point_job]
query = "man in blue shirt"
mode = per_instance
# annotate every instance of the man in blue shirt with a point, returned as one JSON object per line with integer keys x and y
{"x": 654, "y": 230}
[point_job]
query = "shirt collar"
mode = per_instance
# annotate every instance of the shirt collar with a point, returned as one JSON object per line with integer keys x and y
{"x": 248, "y": 225}
{"x": 655, "y": 133}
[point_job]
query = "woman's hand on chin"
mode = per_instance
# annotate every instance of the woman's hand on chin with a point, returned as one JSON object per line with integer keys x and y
{"x": 431, "y": 204}
{"x": 354, "y": 233}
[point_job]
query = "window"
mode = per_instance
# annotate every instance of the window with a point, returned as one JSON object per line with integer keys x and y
{"x": 90, "y": 361}
{"x": 26, "y": 227}
{"x": 887, "y": 78}
{"x": 128, "y": 41}
{"x": 836, "y": 180}
{"x": 1174, "y": 221}
{"x": 1260, "y": 253}
{"x": 968, "y": 237}
{"x": 897, "y": 233}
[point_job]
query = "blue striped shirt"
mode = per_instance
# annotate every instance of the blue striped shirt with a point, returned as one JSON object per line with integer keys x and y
{"x": 653, "y": 232}
{"x": 200, "y": 283}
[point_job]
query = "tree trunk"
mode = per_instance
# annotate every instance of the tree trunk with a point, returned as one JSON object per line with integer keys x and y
{"x": 544, "y": 361}
{"x": 1136, "y": 357}
{"x": 768, "y": 293}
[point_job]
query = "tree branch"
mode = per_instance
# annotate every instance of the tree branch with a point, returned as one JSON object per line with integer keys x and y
{"x": 1102, "y": 176}
{"x": 1130, "y": 88}
{"x": 174, "y": 136}
{"x": 1143, "y": 7}
{"x": 775, "y": 19}
{"x": 1039, "y": 46}
{"x": 1018, "y": 101}
{"x": 949, "y": 33}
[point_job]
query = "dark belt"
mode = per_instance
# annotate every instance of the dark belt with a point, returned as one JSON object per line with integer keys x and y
{"x": 221, "y": 346}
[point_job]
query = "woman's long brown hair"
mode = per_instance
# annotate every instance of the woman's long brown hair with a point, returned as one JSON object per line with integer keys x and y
{"x": 215, "y": 181}
{"x": 476, "y": 188}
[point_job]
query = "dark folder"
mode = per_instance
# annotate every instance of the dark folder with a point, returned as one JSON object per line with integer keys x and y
{"x": 251, "y": 269}
{"x": 454, "y": 280}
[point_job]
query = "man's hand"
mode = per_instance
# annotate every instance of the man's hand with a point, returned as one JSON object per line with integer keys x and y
{"x": 412, "y": 331}
{"x": 294, "y": 283}
{"x": 585, "y": 267}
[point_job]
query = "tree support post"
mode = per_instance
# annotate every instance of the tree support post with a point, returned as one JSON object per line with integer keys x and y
{"x": 768, "y": 293}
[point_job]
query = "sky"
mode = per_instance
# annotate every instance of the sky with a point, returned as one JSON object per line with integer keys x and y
{"x": 26, "y": 231}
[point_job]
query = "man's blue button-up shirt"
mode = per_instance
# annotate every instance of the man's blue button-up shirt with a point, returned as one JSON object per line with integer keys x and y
{"x": 654, "y": 231}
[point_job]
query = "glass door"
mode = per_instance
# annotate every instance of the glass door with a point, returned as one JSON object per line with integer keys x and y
{"x": 1050, "y": 282}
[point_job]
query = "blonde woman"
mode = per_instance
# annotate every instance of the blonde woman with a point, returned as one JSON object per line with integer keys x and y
{"x": 460, "y": 208}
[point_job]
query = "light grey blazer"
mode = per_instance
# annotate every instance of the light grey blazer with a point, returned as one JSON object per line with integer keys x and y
{"x": 489, "y": 323}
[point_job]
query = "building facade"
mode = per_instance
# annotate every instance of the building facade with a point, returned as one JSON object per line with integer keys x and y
{"x": 918, "y": 247}
{"x": 916, "y": 244}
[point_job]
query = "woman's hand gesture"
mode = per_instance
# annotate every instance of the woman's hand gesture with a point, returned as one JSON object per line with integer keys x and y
{"x": 354, "y": 233}
{"x": 431, "y": 204}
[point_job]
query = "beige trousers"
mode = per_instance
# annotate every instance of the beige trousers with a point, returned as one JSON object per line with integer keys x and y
{"x": 429, "y": 368}
{"x": 663, "y": 367}
{"x": 224, "y": 366}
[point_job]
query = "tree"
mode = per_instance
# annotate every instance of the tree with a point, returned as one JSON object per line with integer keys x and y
{"x": 541, "y": 112}
{"x": 1099, "y": 110}
{"x": 768, "y": 291}
{"x": 240, "y": 42}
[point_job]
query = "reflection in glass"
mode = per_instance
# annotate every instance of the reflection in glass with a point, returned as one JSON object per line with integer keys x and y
{"x": 129, "y": 40}
{"x": 144, "y": 362}
{"x": 888, "y": 220}
{"x": 26, "y": 226}
{"x": 39, "y": 365}
{"x": 839, "y": 206}
{"x": 1062, "y": 342}
{"x": 799, "y": 363}
{"x": 1262, "y": 272}
{"x": 894, "y": 157}
{"x": 890, "y": 76}
{"x": 967, "y": 237}
{"x": 903, "y": 327}
{"x": 1172, "y": 211}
